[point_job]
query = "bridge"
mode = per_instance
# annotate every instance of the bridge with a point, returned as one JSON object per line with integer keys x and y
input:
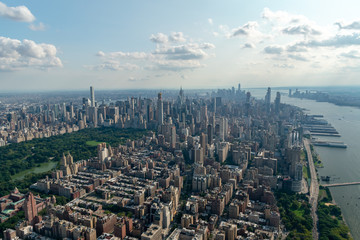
{"x": 340, "y": 184}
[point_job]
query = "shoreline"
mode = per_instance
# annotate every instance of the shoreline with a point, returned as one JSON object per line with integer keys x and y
{"x": 342, "y": 215}
{"x": 308, "y": 109}
{"x": 312, "y": 149}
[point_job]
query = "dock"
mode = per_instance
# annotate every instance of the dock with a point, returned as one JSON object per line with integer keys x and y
{"x": 341, "y": 184}
{"x": 329, "y": 144}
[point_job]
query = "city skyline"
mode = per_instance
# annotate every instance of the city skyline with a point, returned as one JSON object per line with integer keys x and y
{"x": 204, "y": 44}
{"x": 176, "y": 166}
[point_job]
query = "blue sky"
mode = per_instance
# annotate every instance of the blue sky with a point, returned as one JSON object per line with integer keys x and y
{"x": 59, "y": 45}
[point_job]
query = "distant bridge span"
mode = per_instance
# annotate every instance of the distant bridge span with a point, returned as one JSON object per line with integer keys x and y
{"x": 340, "y": 184}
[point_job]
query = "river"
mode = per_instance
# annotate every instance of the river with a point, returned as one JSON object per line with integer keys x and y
{"x": 343, "y": 165}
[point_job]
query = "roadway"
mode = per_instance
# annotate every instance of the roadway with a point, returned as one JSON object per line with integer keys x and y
{"x": 314, "y": 189}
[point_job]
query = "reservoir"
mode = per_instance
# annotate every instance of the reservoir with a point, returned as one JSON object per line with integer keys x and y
{"x": 341, "y": 164}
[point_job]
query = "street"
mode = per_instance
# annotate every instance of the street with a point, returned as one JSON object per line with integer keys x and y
{"x": 314, "y": 188}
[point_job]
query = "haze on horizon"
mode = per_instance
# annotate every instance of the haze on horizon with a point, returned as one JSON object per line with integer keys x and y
{"x": 59, "y": 45}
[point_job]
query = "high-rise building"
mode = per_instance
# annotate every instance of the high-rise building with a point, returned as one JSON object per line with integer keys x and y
{"x": 160, "y": 113}
{"x": 93, "y": 115}
{"x": 92, "y": 96}
{"x": 149, "y": 112}
{"x": 210, "y": 133}
{"x": 223, "y": 128}
{"x": 267, "y": 100}
{"x": 113, "y": 113}
{"x": 173, "y": 137}
{"x": 152, "y": 233}
{"x": 203, "y": 142}
{"x": 247, "y": 104}
{"x": 214, "y": 105}
{"x": 181, "y": 98}
{"x": 63, "y": 110}
{"x": 203, "y": 114}
{"x": 166, "y": 217}
{"x": 277, "y": 103}
{"x": 198, "y": 155}
{"x": 30, "y": 207}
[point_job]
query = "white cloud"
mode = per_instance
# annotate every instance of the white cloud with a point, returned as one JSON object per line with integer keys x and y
{"x": 207, "y": 46}
{"x": 334, "y": 41}
{"x": 39, "y": 27}
{"x": 249, "y": 45}
{"x": 301, "y": 30}
{"x": 296, "y": 48}
{"x": 315, "y": 45}
{"x": 113, "y": 66}
{"x": 282, "y": 17}
{"x": 352, "y": 54}
{"x": 177, "y": 37}
{"x": 163, "y": 38}
{"x": 210, "y": 21}
{"x": 246, "y": 30}
{"x": 100, "y": 54}
{"x": 285, "y": 65}
{"x": 292, "y": 24}
{"x": 182, "y": 52}
{"x": 273, "y": 49}
{"x": 128, "y": 55}
{"x": 355, "y": 25}
{"x": 16, "y": 54}
{"x": 298, "y": 57}
{"x": 249, "y": 31}
{"x": 169, "y": 54}
{"x": 136, "y": 79}
{"x": 178, "y": 65}
{"x": 20, "y": 13}
{"x": 159, "y": 38}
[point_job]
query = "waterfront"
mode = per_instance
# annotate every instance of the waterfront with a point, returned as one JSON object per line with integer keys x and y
{"x": 341, "y": 164}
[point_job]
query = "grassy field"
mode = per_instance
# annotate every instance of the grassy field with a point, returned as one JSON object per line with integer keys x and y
{"x": 306, "y": 173}
{"x": 299, "y": 212}
{"x": 43, "y": 167}
{"x": 92, "y": 143}
{"x": 331, "y": 223}
{"x": 323, "y": 195}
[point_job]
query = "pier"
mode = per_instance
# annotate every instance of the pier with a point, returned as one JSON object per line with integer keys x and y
{"x": 328, "y": 144}
{"x": 324, "y": 129}
{"x": 340, "y": 184}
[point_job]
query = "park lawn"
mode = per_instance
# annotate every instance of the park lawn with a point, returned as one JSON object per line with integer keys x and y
{"x": 299, "y": 212}
{"x": 44, "y": 167}
{"x": 303, "y": 155}
{"x": 92, "y": 143}
{"x": 306, "y": 172}
{"x": 322, "y": 194}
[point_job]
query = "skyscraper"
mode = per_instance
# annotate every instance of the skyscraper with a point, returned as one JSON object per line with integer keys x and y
{"x": 173, "y": 136}
{"x": 267, "y": 100}
{"x": 181, "y": 96}
{"x": 214, "y": 105}
{"x": 277, "y": 103}
{"x": 30, "y": 207}
{"x": 210, "y": 133}
{"x": 247, "y": 104}
{"x": 160, "y": 111}
{"x": 92, "y": 96}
